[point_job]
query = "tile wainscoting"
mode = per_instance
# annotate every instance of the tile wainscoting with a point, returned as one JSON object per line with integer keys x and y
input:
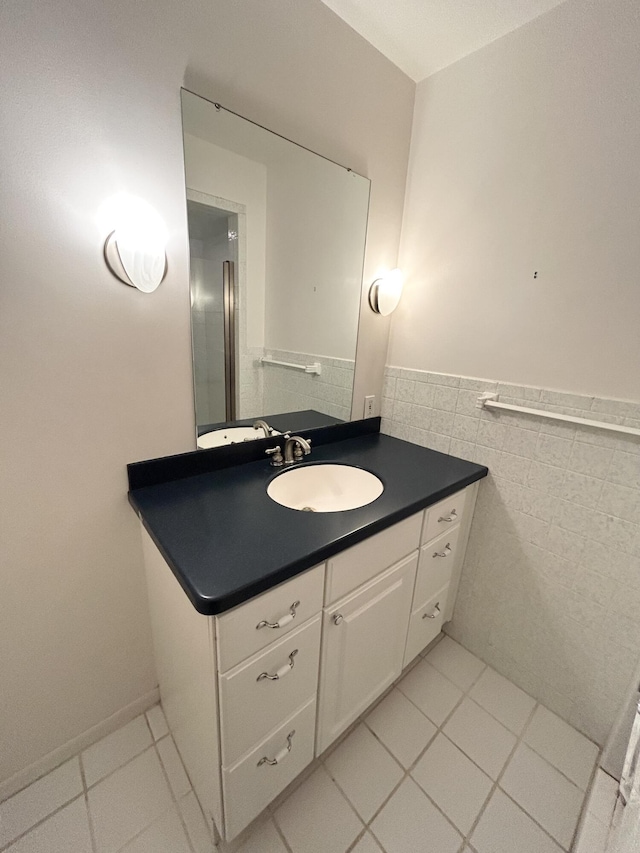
{"x": 288, "y": 390}
{"x": 251, "y": 383}
{"x": 550, "y": 589}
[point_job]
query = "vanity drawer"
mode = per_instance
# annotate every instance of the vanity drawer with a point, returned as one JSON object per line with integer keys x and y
{"x": 252, "y": 705}
{"x": 425, "y": 624}
{"x": 249, "y": 786}
{"x": 251, "y": 626}
{"x": 435, "y": 567}
{"x": 443, "y": 515}
{"x": 362, "y": 562}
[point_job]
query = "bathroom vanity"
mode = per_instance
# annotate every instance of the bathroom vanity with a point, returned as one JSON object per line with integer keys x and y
{"x": 293, "y": 623}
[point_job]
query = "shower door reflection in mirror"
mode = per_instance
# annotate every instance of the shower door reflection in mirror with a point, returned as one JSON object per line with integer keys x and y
{"x": 283, "y": 229}
{"x": 213, "y": 250}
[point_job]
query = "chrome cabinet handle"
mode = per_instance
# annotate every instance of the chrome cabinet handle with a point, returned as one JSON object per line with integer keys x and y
{"x": 445, "y": 553}
{"x": 434, "y": 614}
{"x": 453, "y": 516}
{"x": 337, "y": 619}
{"x": 279, "y": 756}
{"x": 284, "y": 620}
{"x": 280, "y": 673}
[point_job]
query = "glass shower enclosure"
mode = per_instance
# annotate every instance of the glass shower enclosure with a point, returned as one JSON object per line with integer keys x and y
{"x": 213, "y": 248}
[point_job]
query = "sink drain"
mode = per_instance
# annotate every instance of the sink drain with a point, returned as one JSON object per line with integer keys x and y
{"x": 307, "y": 509}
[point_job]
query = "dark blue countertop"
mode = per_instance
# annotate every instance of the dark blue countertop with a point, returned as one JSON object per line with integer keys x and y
{"x": 226, "y": 540}
{"x": 287, "y": 422}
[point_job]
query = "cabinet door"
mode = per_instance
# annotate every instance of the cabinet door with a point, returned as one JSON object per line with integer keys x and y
{"x": 363, "y": 645}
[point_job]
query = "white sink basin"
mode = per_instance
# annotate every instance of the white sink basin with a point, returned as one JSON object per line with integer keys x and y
{"x": 230, "y": 435}
{"x": 325, "y": 488}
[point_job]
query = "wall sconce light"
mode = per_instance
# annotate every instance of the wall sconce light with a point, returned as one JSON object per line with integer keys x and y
{"x": 385, "y": 293}
{"x": 135, "y": 248}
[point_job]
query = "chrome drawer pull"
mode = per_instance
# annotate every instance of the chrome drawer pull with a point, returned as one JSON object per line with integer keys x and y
{"x": 284, "y": 620}
{"x": 434, "y": 614}
{"x": 279, "y": 756}
{"x": 453, "y": 516}
{"x": 337, "y": 619}
{"x": 445, "y": 553}
{"x": 282, "y": 671}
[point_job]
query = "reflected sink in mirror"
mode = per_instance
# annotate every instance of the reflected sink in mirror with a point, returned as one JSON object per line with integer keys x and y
{"x": 230, "y": 435}
{"x": 325, "y": 488}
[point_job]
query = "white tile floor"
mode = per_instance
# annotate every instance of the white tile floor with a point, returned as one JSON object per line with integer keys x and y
{"x": 455, "y": 759}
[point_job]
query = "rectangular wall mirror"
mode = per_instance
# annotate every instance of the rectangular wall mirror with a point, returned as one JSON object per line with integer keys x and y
{"x": 277, "y": 237}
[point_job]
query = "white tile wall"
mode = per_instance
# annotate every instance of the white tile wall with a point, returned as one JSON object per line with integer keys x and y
{"x": 550, "y": 590}
{"x": 250, "y": 380}
{"x": 288, "y": 390}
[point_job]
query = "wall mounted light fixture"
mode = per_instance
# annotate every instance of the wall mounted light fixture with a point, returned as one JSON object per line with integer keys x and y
{"x": 135, "y": 248}
{"x": 385, "y": 293}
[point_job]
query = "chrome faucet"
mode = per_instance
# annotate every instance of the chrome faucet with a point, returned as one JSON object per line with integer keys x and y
{"x": 294, "y": 449}
{"x": 260, "y": 424}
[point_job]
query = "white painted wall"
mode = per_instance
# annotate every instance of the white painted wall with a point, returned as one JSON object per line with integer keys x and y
{"x": 95, "y": 374}
{"x": 525, "y": 158}
{"x": 313, "y": 297}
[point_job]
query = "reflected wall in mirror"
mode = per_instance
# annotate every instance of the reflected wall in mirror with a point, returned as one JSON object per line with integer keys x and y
{"x": 277, "y": 236}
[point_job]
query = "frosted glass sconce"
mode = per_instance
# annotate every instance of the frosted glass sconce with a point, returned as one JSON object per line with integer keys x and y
{"x": 135, "y": 248}
{"x": 385, "y": 293}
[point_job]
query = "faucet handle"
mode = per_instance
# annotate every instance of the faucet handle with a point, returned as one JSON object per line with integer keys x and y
{"x": 276, "y": 456}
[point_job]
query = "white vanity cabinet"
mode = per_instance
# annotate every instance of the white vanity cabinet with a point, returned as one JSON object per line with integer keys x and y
{"x": 267, "y": 702}
{"x": 363, "y": 647}
{"x": 442, "y": 547}
{"x": 252, "y": 695}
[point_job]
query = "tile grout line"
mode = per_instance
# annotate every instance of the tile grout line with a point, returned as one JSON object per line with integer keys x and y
{"x": 40, "y": 778}
{"x": 496, "y": 782}
{"x": 280, "y": 834}
{"x": 120, "y": 767}
{"x": 85, "y": 787}
{"x": 362, "y": 834}
{"x": 525, "y": 727}
{"x": 156, "y": 819}
{"x": 407, "y": 772}
{"x": 168, "y": 781}
{"x": 343, "y": 737}
{"x": 38, "y": 823}
{"x": 584, "y": 810}
{"x": 166, "y": 778}
{"x": 366, "y": 825}
{"x": 92, "y": 833}
{"x": 520, "y": 741}
{"x": 77, "y": 755}
{"x": 440, "y": 730}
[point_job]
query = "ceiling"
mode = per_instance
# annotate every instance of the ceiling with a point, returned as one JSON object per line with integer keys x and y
{"x": 423, "y": 36}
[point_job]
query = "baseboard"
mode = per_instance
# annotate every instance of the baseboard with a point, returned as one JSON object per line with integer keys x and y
{"x": 53, "y": 759}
